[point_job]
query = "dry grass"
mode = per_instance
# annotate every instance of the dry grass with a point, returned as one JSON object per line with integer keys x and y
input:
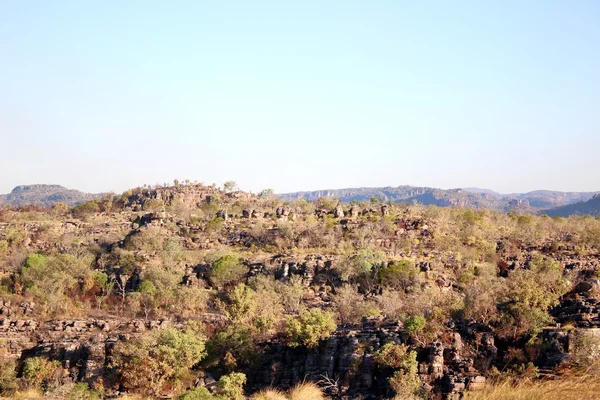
{"x": 304, "y": 391}
{"x": 133, "y": 397}
{"x": 28, "y": 394}
{"x": 271, "y": 394}
{"x": 582, "y": 387}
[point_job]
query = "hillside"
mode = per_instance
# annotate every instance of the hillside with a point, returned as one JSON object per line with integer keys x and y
{"x": 469, "y": 197}
{"x": 189, "y": 290}
{"x": 45, "y": 195}
{"x": 590, "y": 207}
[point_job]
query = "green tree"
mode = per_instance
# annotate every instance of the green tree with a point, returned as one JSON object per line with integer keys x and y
{"x": 159, "y": 357}
{"x": 405, "y": 382}
{"x": 309, "y": 327}
{"x": 415, "y": 324}
{"x": 227, "y": 270}
{"x": 53, "y": 280}
{"x": 528, "y": 296}
{"x": 360, "y": 264}
{"x": 242, "y": 304}
{"x": 399, "y": 274}
{"x": 39, "y": 372}
{"x": 231, "y": 386}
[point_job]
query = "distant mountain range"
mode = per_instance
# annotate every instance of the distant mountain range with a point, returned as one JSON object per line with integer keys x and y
{"x": 539, "y": 201}
{"x": 553, "y": 203}
{"x": 45, "y": 195}
{"x": 590, "y": 207}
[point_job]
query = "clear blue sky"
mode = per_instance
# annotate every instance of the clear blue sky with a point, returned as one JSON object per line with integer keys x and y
{"x": 107, "y": 95}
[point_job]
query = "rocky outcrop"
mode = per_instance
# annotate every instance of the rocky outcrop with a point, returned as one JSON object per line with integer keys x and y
{"x": 345, "y": 365}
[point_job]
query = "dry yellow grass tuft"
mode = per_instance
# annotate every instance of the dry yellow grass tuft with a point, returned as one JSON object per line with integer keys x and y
{"x": 28, "y": 394}
{"x": 306, "y": 391}
{"x": 582, "y": 387}
{"x": 271, "y": 394}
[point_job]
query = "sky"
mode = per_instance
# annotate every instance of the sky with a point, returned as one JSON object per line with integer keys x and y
{"x": 104, "y": 96}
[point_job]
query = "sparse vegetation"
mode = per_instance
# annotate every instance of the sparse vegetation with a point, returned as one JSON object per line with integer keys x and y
{"x": 187, "y": 297}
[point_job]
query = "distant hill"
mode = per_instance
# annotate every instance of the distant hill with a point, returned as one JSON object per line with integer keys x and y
{"x": 538, "y": 200}
{"x": 45, "y": 195}
{"x": 484, "y": 191}
{"x": 404, "y": 194}
{"x": 590, "y": 207}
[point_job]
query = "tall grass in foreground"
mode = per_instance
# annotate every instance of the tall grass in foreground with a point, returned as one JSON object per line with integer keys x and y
{"x": 304, "y": 391}
{"x": 571, "y": 387}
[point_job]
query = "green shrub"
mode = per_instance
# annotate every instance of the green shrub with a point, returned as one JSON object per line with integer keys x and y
{"x": 528, "y": 296}
{"x": 53, "y": 280}
{"x": 85, "y": 209}
{"x": 231, "y": 386}
{"x": 309, "y": 328}
{"x": 414, "y": 324}
{"x": 157, "y": 358}
{"x": 8, "y": 378}
{"x": 81, "y": 391}
{"x": 227, "y": 270}
{"x": 197, "y": 393}
{"x": 404, "y": 382}
{"x": 233, "y": 347}
{"x": 3, "y": 246}
{"x": 360, "y": 264}
{"x": 242, "y": 304}
{"x": 38, "y": 372}
{"x": 214, "y": 224}
{"x": 391, "y": 355}
{"x": 399, "y": 274}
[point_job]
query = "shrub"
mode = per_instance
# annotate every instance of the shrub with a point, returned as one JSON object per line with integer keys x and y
{"x": 399, "y": 274}
{"x": 85, "y": 209}
{"x": 227, "y": 270}
{"x": 309, "y": 328}
{"x": 231, "y": 386}
{"x": 586, "y": 348}
{"x": 414, "y": 324}
{"x": 81, "y": 391}
{"x": 158, "y": 357}
{"x": 3, "y": 246}
{"x": 233, "y": 346}
{"x": 392, "y": 355}
{"x": 352, "y": 306}
{"x": 529, "y": 294}
{"x": 404, "y": 382}
{"x": 8, "y": 378}
{"x": 360, "y": 264}
{"x": 242, "y": 304}
{"x": 197, "y": 393}
{"x": 39, "y": 372}
{"x": 52, "y": 280}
